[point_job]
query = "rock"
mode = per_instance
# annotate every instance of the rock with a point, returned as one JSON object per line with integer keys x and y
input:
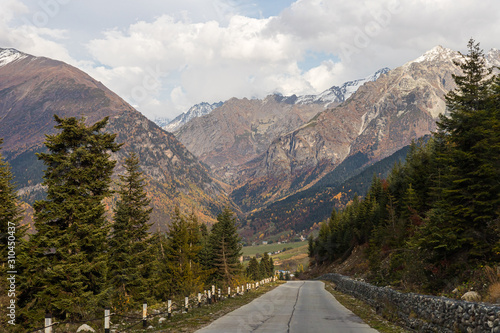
{"x": 85, "y": 328}
{"x": 471, "y": 296}
{"x": 161, "y": 320}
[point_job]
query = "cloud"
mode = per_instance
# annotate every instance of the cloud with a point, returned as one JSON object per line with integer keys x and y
{"x": 165, "y": 56}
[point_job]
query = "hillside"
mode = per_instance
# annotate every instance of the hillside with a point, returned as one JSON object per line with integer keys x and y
{"x": 301, "y": 210}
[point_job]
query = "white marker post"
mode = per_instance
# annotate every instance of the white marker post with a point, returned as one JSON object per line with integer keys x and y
{"x": 107, "y": 317}
{"x": 144, "y": 315}
{"x": 48, "y": 323}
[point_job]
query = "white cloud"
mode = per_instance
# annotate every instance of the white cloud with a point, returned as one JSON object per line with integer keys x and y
{"x": 164, "y": 56}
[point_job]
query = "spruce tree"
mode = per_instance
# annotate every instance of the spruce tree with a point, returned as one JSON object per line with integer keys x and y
{"x": 11, "y": 232}
{"x": 182, "y": 249}
{"x": 226, "y": 247}
{"x": 253, "y": 269}
{"x": 265, "y": 266}
{"x": 470, "y": 198}
{"x": 129, "y": 257}
{"x": 10, "y": 213}
{"x": 66, "y": 259}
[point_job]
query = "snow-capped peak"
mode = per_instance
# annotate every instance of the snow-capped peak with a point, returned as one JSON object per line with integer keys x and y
{"x": 342, "y": 93}
{"x": 438, "y": 53}
{"x": 197, "y": 110}
{"x": 10, "y": 55}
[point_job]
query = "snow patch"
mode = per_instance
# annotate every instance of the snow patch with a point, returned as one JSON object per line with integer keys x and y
{"x": 340, "y": 94}
{"x": 10, "y": 55}
{"x": 197, "y": 110}
{"x": 438, "y": 53}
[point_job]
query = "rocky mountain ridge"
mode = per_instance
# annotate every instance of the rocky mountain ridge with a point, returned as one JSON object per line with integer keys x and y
{"x": 239, "y": 130}
{"x": 379, "y": 119}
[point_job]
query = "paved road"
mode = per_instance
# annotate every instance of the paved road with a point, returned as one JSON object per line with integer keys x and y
{"x": 297, "y": 306}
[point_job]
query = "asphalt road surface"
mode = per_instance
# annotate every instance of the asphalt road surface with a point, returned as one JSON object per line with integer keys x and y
{"x": 297, "y": 306}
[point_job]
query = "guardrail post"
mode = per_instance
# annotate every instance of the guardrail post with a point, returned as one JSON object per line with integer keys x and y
{"x": 186, "y": 303}
{"x": 144, "y": 315}
{"x": 169, "y": 308}
{"x": 48, "y": 323}
{"x": 209, "y": 297}
{"x": 228, "y": 292}
{"x": 107, "y": 317}
{"x": 199, "y": 299}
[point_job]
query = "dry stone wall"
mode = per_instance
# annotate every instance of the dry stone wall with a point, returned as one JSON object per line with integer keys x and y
{"x": 422, "y": 313}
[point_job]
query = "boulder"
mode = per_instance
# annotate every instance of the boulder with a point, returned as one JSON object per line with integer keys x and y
{"x": 85, "y": 328}
{"x": 471, "y": 296}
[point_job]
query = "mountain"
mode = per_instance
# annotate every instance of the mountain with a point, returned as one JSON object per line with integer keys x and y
{"x": 197, "y": 110}
{"x": 380, "y": 118}
{"x": 161, "y": 121}
{"x": 340, "y": 94}
{"x": 240, "y": 130}
{"x": 301, "y": 210}
{"x": 33, "y": 89}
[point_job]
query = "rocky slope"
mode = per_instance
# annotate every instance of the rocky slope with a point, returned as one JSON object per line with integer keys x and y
{"x": 33, "y": 89}
{"x": 379, "y": 119}
{"x": 240, "y": 130}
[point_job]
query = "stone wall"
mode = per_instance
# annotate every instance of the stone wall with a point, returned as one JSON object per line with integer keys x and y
{"x": 420, "y": 312}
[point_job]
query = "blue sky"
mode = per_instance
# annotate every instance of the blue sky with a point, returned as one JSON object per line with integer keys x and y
{"x": 165, "y": 56}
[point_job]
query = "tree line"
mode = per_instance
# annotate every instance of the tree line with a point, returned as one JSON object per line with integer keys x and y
{"x": 434, "y": 222}
{"x": 78, "y": 261}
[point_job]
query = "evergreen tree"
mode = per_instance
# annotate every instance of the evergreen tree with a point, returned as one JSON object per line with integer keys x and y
{"x": 470, "y": 199}
{"x": 205, "y": 254}
{"x": 10, "y": 213}
{"x": 226, "y": 247}
{"x": 271, "y": 268}
{"x": 253, "y": 269}
{"x": 129, "y": 257}
{"x": 265, "y": 266}
{"x": 182, "y": 248}
{"x": 65, "y": 261}
{"x": 11, "y": 232}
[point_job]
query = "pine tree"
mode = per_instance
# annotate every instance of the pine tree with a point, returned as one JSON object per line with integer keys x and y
{"x": 253, "y": 269}
{"x": 129, "y": 257}
{"x": 65, "y": 261}
{"x": 226, "y": 247}
{"x": 182, "y": 248}
{"x": 265, "y": 266}
{"x": 10, "y": 213}
{"x": 470, "y": 199}
{"x": 11, "y": 232}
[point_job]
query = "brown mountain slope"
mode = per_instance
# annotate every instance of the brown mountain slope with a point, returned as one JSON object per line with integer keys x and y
{"x": 242, "y": 129}
{"x": 33, "y": 89}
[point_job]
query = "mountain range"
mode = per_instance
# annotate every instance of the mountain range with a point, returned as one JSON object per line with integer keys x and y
{"x": 282, "y": 162}
{"x": 377, "y": 120}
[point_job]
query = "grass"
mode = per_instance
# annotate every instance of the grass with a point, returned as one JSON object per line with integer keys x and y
{"x": 364, "y": 311}
{"x": 253, "y": 250}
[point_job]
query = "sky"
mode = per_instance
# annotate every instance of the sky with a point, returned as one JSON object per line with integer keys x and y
{"x": 164, "y": 56}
